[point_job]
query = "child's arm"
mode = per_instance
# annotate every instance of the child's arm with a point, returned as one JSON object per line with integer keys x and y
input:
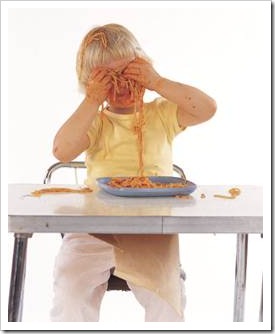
{"x": 194, "y": 106}
{"x": 72, "y": 139}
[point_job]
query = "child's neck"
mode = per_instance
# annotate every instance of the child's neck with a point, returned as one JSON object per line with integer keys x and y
{"x": 123, "y": 111}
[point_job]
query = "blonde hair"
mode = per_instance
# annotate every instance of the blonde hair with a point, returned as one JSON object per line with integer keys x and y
{"x": 103, "y": 44}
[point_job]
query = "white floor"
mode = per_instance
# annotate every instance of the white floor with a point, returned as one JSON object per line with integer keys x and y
{"x": 209, "y": 263}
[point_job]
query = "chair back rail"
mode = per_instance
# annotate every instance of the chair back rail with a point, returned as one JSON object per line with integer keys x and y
{"x": 81, "y": 164}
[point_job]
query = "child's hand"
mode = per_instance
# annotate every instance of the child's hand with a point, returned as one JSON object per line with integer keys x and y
{"x": 142, "y": 72}
{"x": 98, "y": 85}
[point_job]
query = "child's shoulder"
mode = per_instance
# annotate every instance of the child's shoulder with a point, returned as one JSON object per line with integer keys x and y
{"x": 156, "y": 103}
{"x": 159, "y": 104}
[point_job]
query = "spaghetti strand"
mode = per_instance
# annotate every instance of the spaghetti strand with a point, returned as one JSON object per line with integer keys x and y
{"x": 136, "y": 91}
{"x": 59, "y": 190}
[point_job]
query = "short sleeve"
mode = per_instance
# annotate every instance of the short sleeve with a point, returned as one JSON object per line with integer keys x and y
{"x": 93, "y": 133}
{"x": 167, "y": 112}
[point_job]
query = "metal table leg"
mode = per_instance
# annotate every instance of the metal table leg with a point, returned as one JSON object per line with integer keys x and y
{"x": 18, "y": 276}
{"x": 261, "y": 305}
{"x": 240, "y": 276}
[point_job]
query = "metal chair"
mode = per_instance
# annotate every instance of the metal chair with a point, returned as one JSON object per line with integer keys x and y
{"x": 114, "y": 282}
{"x": 81, "y": 164}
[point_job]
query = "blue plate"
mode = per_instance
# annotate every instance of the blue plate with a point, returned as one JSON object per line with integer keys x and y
{"x": 149, "y": 192}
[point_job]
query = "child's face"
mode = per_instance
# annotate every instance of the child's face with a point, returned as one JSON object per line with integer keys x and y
{"x": 123, "y": 98}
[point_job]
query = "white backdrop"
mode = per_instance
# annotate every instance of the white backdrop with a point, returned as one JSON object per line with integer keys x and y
{"x": 223, "y": 48}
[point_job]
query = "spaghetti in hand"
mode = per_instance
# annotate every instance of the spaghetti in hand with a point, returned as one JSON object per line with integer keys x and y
{"x": 142, "y": 72}
{"x": 98, "y": 85}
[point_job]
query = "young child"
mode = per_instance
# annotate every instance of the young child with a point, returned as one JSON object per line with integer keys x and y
{"x": 123, "y": 136}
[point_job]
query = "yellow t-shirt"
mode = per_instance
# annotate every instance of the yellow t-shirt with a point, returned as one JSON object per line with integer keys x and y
{"x": 113, "y": 147}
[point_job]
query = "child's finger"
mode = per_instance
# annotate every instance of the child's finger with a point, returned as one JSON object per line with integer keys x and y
{"x": 139, "y": 61}
{"x": 100, "y": 75}
{"x": 133, "y": 70}
{"x": 132, "y": 67}
{"x": 106, "y": 81}
{"x": 97, "y": 74}
{"x": 94, "y": 72}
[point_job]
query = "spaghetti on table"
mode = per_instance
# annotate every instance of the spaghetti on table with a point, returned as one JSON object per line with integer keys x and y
{"x": 234, "y": 192}
{"x": 59, "y": 190}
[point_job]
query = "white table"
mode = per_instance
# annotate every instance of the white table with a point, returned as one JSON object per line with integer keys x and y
{"x": 99, "y": 212}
